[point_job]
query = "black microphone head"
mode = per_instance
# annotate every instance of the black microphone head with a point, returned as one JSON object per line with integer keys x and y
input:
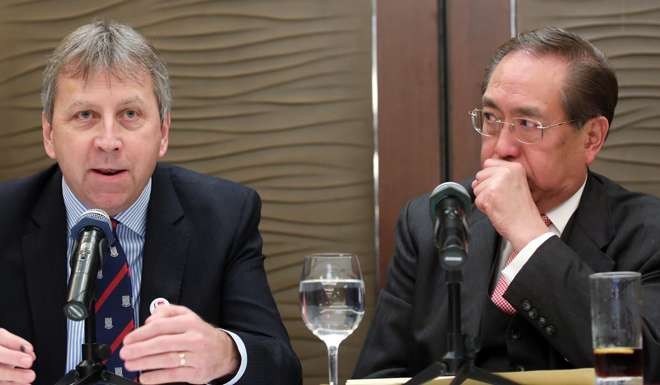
{"x": 97, "y": 218}
{"x": 446, "y": 190}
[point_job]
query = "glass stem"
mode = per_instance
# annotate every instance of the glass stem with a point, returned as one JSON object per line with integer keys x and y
{"x": 332, "y": 364}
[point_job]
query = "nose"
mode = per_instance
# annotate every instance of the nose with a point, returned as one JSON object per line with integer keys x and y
{"x": 108, "y": 139}
{"x": 507, "y": 147}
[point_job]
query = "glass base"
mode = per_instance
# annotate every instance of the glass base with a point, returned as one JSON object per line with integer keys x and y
{"x": 618, "y": 380}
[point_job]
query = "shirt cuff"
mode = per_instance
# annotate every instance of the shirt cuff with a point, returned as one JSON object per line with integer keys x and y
{"x": 514, "y": 267}
{"x": 243, "y": 352}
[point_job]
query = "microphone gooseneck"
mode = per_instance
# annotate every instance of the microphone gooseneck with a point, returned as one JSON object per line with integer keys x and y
{"x": 92, "y": 235}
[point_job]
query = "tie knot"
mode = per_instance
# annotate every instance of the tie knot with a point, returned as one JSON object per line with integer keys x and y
{"x": 546, "y": 220}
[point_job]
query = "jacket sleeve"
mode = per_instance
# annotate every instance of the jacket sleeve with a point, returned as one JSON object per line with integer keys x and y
{"x": 248, "y": 307}
{"x": 554, "y": 285}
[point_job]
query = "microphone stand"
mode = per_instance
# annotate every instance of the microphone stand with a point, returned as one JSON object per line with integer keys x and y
{"x": 91, "y": 369}
{"x": 461, "y": 349}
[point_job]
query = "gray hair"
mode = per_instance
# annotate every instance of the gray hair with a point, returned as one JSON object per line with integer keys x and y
{"x": 105, "y": 46}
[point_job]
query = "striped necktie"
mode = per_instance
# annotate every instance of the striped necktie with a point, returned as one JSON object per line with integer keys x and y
{"x": 502, "y": 284}
{"x": 114, "y": 306}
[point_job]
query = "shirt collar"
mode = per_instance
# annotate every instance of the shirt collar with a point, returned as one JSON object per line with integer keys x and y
{"x": 561, "y": 214}
{"x": 134, "y": 217}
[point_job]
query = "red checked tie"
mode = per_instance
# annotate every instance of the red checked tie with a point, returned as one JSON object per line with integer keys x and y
{"x": 502, "y": 284}
{"x": 114, "y": 306}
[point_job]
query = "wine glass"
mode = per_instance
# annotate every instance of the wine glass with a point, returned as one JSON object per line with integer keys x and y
{"x": 332, "y": 300}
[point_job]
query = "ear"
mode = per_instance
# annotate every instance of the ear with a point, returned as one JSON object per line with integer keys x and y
{"x": 47, "y": 133}
{"x": 165, "y": 134}
{"x": 595, "y": 132}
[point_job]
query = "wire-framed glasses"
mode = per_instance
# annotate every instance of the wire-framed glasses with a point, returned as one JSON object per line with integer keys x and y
{"x": 528, "y": 131}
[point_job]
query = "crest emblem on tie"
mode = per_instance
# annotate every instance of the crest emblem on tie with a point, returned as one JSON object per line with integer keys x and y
{"x": 99, "y": 275}
{"x": 126, "y": 300}
{"x": 108, "y": 323}
{"x": 119, "y": 372}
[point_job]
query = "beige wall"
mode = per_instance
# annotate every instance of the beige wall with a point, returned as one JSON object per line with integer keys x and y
{"x": 272, "y": 94}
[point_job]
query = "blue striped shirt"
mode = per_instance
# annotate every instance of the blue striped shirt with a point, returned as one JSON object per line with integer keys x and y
{"x": 130, "y": 231}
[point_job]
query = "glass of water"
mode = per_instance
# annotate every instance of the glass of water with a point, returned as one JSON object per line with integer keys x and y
{"x": 332, "y": 300}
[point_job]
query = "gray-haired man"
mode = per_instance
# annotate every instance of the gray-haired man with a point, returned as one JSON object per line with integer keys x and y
{"x": 190, "y": 240}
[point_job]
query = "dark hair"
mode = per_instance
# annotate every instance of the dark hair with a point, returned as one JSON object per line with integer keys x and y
{"x": 105, "y": 46}
{"x": 590, "y": 88}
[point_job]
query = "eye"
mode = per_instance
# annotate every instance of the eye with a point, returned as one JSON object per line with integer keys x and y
{"x": 527, "y": 124}
{"x": 84, "y": 115}
{"x": 488, "y": 117}
{"x": 130, "y": 114}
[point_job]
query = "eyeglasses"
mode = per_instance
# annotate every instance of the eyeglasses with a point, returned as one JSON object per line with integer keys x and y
{"x": 525, "y": 130}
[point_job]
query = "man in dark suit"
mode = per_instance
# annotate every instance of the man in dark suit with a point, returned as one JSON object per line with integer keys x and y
{"x": 548, "y": 102}
{"x": 192, "y": 241}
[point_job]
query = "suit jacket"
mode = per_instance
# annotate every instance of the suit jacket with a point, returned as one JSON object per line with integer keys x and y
{"x": 202, "y": 250}
{"x": 612, "y": 229}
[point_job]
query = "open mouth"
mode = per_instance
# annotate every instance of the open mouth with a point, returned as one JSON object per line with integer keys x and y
{"x": 108, "y": 171}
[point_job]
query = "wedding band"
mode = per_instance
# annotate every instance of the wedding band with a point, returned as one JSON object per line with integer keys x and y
{"x": 182, "y": 359}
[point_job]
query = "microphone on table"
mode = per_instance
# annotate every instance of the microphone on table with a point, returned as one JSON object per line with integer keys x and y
{"x": 449, "y": 202}
{"x": 93, "y": 236}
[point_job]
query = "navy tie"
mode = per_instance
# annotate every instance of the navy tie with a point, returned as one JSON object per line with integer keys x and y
{"x": 114, "y": 306}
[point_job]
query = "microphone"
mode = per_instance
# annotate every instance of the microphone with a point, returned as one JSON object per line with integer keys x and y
{"x": 449, "y": 201}
{"x": 93, "y": 233}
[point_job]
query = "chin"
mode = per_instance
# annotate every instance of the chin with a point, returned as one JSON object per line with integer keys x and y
{"x": 111, "y": 206}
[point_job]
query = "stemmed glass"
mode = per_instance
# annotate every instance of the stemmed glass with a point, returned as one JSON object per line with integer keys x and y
{"x": 332, "y": 300}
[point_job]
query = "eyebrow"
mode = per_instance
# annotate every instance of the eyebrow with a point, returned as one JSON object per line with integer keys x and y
{"x": 133, "y": 100}
{"x": 79, "y": 104}
{"x": 519, "y": 111}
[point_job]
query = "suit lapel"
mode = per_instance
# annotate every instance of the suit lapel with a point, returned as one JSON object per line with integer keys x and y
{"x": 590, "y": 229}
{"x": 44, "y": 251}
{"x": 477, "y": 270}
{"x": 166, "y": 244}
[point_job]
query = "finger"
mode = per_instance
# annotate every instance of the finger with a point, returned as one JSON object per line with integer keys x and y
{"x": 166, "y": 311}
{"x": 486, "y": 173}
{"x": 159, "y": 361}
{"x": 19, "y": 375}
{"x": 493, "y": 162}
{"x": 159, "y": 327}
{"x": 156, "y": 345}
{"x": 14, "y": 342}
{"x": 162, "y": 376}
{"x": 15, "y": 358}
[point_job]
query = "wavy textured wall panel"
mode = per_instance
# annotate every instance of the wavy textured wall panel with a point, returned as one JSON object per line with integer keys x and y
{"x": 273, "y": 94}
{"x": 628, "y": 32}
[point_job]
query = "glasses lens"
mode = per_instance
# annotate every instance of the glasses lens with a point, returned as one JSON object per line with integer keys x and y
{"x": 527, "y": 131}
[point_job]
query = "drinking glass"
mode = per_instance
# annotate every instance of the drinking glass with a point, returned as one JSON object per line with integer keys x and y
{"x": 332, "y": 300}
{"x": 616, "y": 327}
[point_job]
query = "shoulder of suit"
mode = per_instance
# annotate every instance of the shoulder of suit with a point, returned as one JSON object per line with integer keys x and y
{"x": 624, "y": 203}
{"x": 19, "y": 197}
{"x": 195, "y": 185}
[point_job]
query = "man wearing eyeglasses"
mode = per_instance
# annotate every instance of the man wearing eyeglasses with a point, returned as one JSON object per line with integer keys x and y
{"x": 541, "y": 223}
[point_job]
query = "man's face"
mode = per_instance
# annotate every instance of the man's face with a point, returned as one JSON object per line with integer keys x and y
{"x": 528, "y": 86}
{"x": 106, "y": 136}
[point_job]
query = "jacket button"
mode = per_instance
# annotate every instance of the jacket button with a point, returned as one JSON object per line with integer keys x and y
{"x": 550, "y": 330}
{"x": 515, "y": 335}
{"x": 533, "y": 313}
{"x": 526, "y": 305}
{"x": 542, "y": 321}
